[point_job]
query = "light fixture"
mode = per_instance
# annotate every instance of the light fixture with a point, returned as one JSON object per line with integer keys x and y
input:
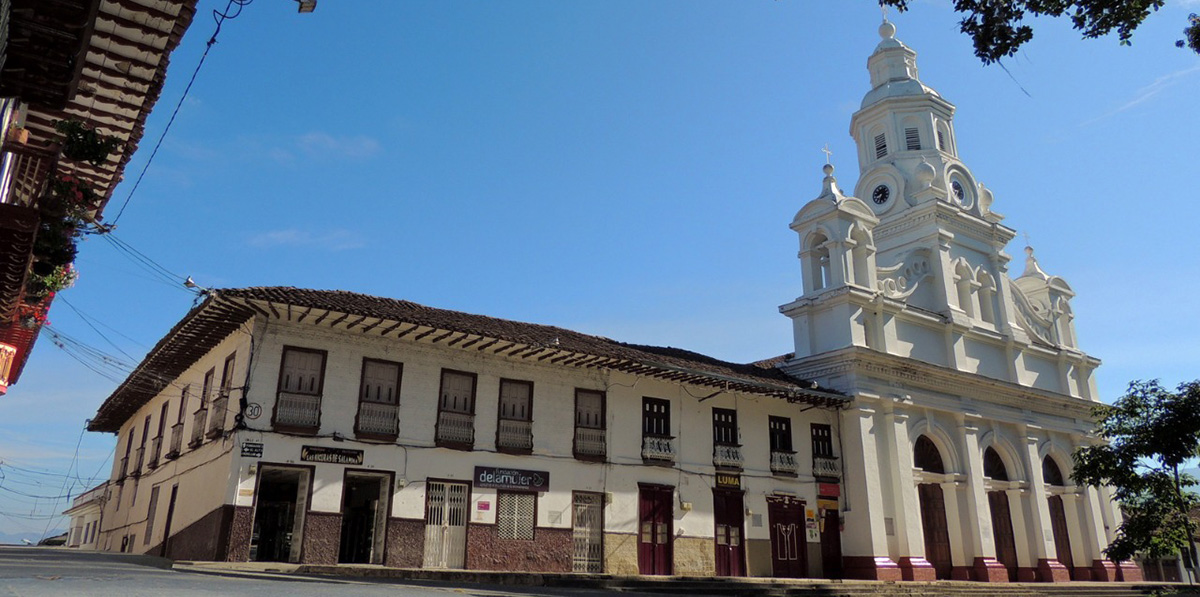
{"x": 307, "y": 5}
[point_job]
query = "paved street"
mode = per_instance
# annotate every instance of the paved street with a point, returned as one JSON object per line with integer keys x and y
{"x": 42, "y": 572}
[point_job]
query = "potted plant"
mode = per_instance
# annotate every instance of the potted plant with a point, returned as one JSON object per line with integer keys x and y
{"x": 83, "y": 143}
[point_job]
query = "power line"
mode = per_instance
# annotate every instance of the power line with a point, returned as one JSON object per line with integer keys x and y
{"x": 220, "y": 17}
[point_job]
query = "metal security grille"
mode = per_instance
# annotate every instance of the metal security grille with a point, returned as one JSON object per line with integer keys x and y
{"x": 515, "y": 515}
{"x": 446, "y": 525}
{"x": 912, "y": 139}
{"x": 587, "y": 533}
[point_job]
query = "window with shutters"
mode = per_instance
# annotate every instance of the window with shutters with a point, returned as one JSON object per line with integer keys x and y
{"x": 516, "y": 515}
{"x": 780, "y": 430}
{"x": 514, "y": 431}
{"x": 725, "y": 427}
{"x": 456, "y": 410}
{"x": 912, "y": 139}
{"x": 822, "y": 441}
{"x": 590, "y": 434}
{"x": 379, "y": 399}
{"x": 301, "y": 382}
{"x": 941, "y": 136}
{"x": 880, "y": 146}
{"x": 656, "y": 417}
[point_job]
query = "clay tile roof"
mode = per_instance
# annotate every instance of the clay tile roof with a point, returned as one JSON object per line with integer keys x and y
{"x": 226, "y": 309}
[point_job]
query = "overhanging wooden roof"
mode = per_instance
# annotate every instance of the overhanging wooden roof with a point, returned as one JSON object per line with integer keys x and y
{"x": 224, "y": 310}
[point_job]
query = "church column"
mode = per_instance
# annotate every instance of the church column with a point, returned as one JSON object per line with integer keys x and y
{"x": 906, "y": 521}
{"x": 1049, "y": 569}
{"x": 1022, "y": 534}
{"x": 1102, "y": 569}
{"x": 864, "y": 537}
{"x": 960, "y": 556}
{"x": 840, "y": 262}
{"x": 985, "y": 566}
{"x": 1072, "y": 509}
{"x": 1127, "y": 571}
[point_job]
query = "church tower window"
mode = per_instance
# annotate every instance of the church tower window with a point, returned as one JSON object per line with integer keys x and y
{"x": 941, "y": 136}
{"x": 880, "y": 146}
{"x": 912, "y": 139}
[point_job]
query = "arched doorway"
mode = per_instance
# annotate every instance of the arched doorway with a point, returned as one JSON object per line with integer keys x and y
{"x": 933, "y": 508}
{"x": 1002, "y": 529}
{"x": 1052, "y": 475}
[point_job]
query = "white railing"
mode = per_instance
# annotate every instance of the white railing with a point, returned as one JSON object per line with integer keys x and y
{"x": 298, "y": 410}
{"x": 155, "y": 451}
{"x": 590, "y": 441}
{"x": 656, "y": 447}
{"x": 216, "y": 424}
{"x": 176, "y": 440}
{"x": 198, "y": 419}
{"x": 784, "y": 463}
{"x": 826, "y": 467}
{"x": 374, "y": 417}
{"x": 456, "y": 428}
{"x": 727, "y": 456}
{"x": 515, "y": 435}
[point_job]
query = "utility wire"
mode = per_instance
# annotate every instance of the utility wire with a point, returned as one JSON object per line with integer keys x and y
{"x": 219, "y": 17}
{"x": 88, "y": 320}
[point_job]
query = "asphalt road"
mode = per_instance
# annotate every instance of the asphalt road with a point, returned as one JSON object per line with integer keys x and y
{"x": 52, "y": 572}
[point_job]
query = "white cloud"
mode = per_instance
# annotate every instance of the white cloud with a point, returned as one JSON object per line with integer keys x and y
{"x": 324, "y": 144}
{"x": 1149, "y": 91}
{"x": 332, "y": 240}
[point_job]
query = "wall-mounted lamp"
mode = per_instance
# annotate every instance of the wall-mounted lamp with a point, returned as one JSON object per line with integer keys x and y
{"x": 307, "y": 5}
{"x": 685, "y": 506}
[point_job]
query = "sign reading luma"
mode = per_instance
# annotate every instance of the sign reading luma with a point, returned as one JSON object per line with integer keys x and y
{"x": 511, "y": 478}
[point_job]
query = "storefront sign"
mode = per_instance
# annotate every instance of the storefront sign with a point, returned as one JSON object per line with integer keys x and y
{"x": 484, "y": 506}
{"x": 331, "y": 455}
{"x": 511, "y": 478}
{"x": 827, "y": 504}
{"x": 728, "y": 481}
{"x": 829, "y": 490}
{"x": 252, "y": 449}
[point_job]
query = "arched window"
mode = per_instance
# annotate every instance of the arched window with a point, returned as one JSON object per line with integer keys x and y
{"x": 993, "y": 466}
{"x": 1051, "y": 474}
{"x": 927, "y": 457}
{"x": 860, "y": 254}
{"x": 818, "y": 262}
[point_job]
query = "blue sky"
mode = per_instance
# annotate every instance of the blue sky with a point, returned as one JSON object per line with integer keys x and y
{"x": 621, "y": 167}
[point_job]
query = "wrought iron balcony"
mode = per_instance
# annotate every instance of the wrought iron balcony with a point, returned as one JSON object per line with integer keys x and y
{"x": 198, "y": 420}
{"x": 515, "y": 435}
{"x": 784, "y": 463}
{"x": 176, "y": 441}
{"x": 826, "y": 467}
{"x": 727, "y": 456}
{"x": 301, "y": 411}
{"x": 456, "y": 428}
{"x": 658, "y": 448}
{"x": 590, "y": 442}
{"x": 375, "y": 418}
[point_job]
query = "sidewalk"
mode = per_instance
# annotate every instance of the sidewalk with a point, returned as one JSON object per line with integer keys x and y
{"x": 692, "y": 586}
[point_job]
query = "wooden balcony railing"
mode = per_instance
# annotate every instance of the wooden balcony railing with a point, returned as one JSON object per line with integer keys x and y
{"x": 155, "y": 452}
{"x": 456, "y": 428}
{"x": 375, "y": 418}
{"x": 216, "y": 423}
{"x": 298, "y": 411}
{"x": 515, "y": 435}
{"x": 176, "y": 442}
{"x": 591, "y": 442}
{"x": 199, "y": 418}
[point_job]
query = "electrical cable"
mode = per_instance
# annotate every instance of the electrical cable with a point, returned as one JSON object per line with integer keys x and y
{"x": 219, "y": 17}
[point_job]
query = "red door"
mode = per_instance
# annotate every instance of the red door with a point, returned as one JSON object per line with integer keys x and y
{"x": 654, "y": 529}
{"x": 831, "y": 543}
{"x": 933, "y": 524}
{"x": 1062, "y": 539}
{"x": 789, "y": 550}
{"x": 1002, "y": 532}
{"x": 729, "y": 514}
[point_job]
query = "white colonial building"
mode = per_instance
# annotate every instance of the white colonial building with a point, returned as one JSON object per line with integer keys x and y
{"x": 970, "y": 393}
{"x": 922, "y": 428}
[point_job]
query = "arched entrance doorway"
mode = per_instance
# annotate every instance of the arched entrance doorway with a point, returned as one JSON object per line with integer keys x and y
{"x": 933, "y": 508}
{"x": 1052, "y": 475}
{"x": 1002, "y": 529}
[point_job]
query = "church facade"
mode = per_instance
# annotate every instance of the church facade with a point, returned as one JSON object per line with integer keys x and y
{"x": 970, "y": 393}
{"x": 921, "y": 429}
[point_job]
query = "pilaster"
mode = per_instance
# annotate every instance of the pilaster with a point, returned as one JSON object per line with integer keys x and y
{"x": 864, "y": 539}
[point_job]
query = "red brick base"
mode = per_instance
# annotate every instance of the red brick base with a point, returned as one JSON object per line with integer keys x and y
{"x": 870, "y": 568}
{"x": 917, "y": 568}
{"x": 989, "y": 570}
{"x": 1104, "y": 570}
{"x": 1128, "y": 571}
{"x": 1082, "y": 573}
{"x": 1050, "y": 570}
{"x": 1026, "y": 574}
{"x": 960, "y": 573}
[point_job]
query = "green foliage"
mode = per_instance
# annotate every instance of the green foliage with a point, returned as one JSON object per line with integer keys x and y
{"x": 83, "y": 144}
{"x": 1150, "y": 432}
{"x": 997, "y": 28}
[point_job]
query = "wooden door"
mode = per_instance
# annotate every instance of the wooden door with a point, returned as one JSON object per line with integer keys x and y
{"x": 1062, "y": 538}
{"x": 1002, "y": 532}
{"x": 729, "y": 516}
{"x": 446, "y": 525}
{"x": 831, "y": 543}
{"x": 789, "y": 549}
{"x": 654, "y": 529}
{"x": 933, "y": 523}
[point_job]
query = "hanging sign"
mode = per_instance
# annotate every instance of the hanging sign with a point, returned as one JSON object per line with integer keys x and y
{"x": 511, "y": 478}
{"x": 728, "y": 481}
{"x": 331, "y": 455}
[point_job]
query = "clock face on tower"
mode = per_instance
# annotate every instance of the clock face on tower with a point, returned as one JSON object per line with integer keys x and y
{"x": 881, "y": 194}
{"x": 957, "y": 187}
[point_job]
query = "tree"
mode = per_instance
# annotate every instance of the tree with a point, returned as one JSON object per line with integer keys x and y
{"x": 997, "y": 29}
{"x": 1149, "y": 433}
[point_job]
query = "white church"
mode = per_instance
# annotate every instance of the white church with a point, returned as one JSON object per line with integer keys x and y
{"x": 922, "y": 429}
